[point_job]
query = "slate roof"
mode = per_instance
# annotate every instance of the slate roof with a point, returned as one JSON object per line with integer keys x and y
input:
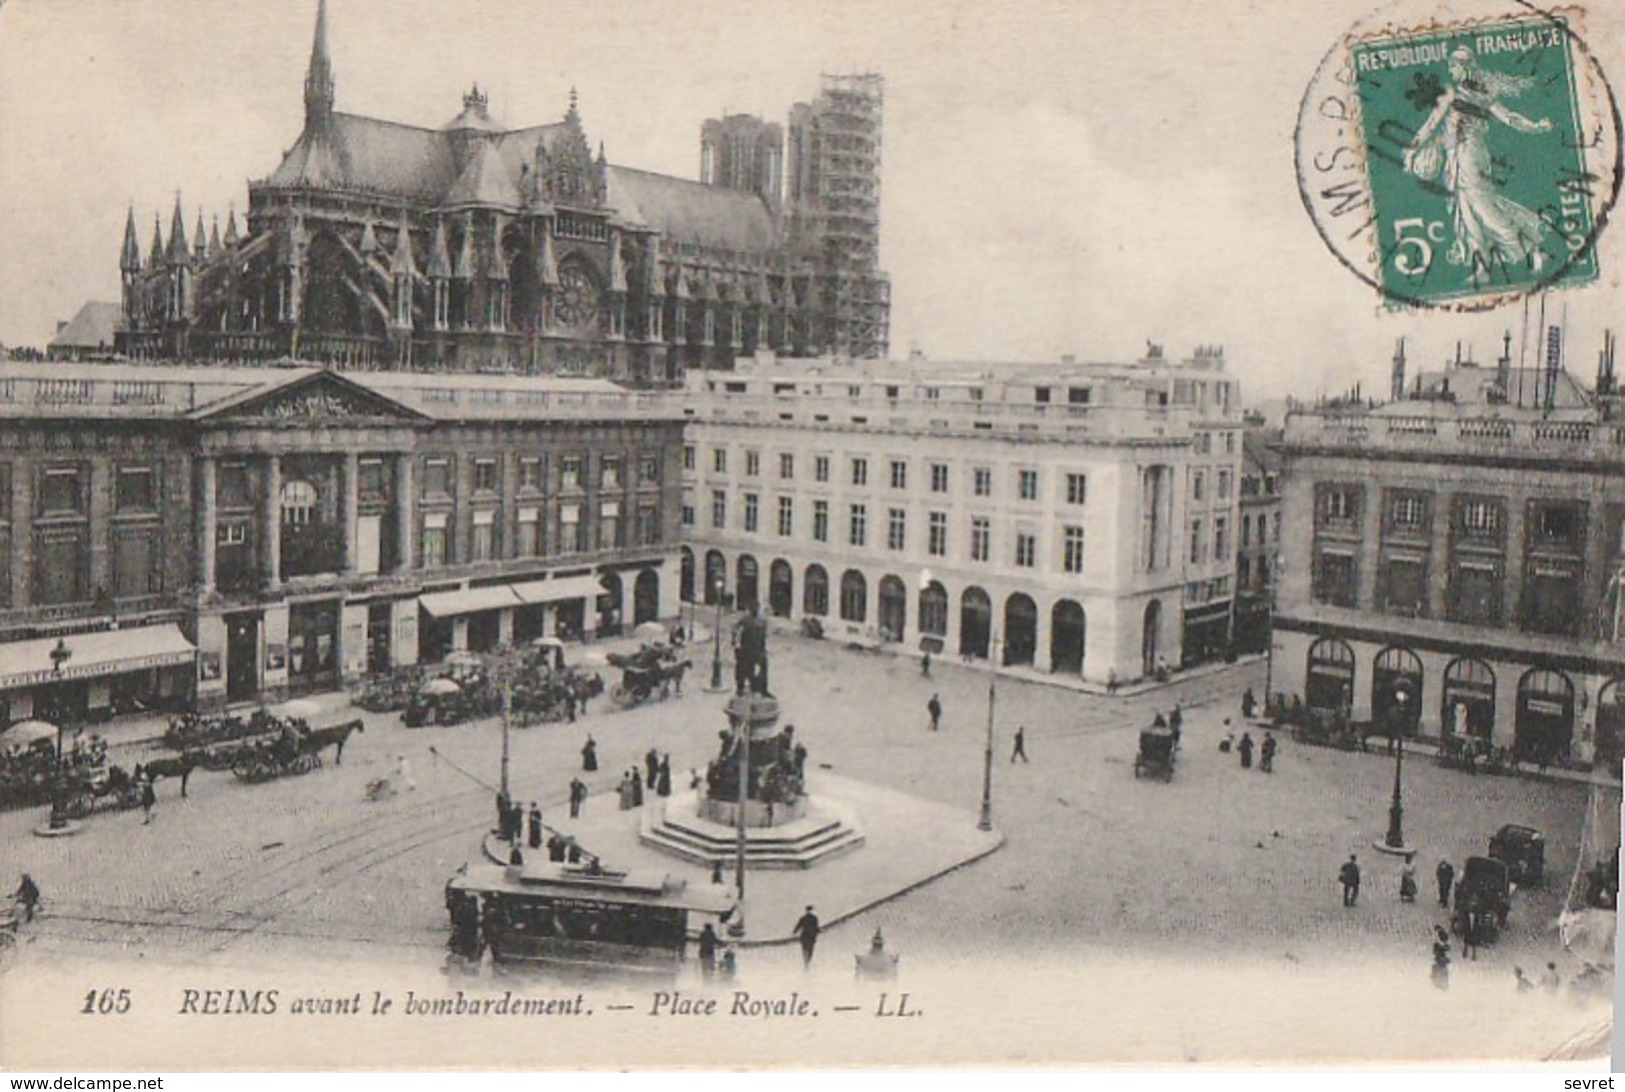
{"x": 371, "y": 155}
{"x": 91, "y": 328}
{"x": 486, "y": 181}
{"x": 691, "y": 211}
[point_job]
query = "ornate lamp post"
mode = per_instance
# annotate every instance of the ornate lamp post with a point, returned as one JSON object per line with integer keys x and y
{"x": 716, "y": 639}
{"x": 985, "y": 822}
{"x": 60, "y": 655}
{"x": 1395, "y": 838}
{"x": 736, "y": 923}
{"x": 502, "y": 662}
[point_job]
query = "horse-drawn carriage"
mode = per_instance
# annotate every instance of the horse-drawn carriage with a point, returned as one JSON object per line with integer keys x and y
{"x": 26, "y": 772}
{"x": 1156, "y": 756}
{"x": 652, "y": 672}
{"x": 1483, "y": 899}
{"x": 87, "y": 789}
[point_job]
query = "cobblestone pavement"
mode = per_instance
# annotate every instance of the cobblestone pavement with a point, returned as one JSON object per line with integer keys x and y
{"x": 1216, "y": 865}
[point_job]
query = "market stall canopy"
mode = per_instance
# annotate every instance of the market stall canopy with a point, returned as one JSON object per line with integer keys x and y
{"x": 25, "y": 732}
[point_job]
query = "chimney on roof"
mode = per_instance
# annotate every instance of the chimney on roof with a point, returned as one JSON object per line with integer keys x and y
{"x": 1396, "y": 381}
{"x": 1503, "y": 363}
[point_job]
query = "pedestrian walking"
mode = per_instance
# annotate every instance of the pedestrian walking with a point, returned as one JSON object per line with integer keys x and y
{"x": 1550, "y": 981}
{"x": 578, "y": 796}
{"x": 516, "y": 856}
{"x": 149, "y": 799}
{"x": 637, "y": 790}
{"x": 27, "y": 896}
{"x": 1176, "y": 720}
{"x": 709, "y": 944}
{"x": 535, "y": 826}
{"x": 1249, "y": 704}
{"x": 1349, "y": 877}
{"x": 1441, "y": 958}
{"x": 625, "y": 791}
{"x": 1020, "y": 749}
{"x": 589, "y": 755}
{"x": 934, "y": 707}
{"x": 925, "y": 665}
{"x": 663, "y": 774}
{"x": 1407, "y": 880}
{"x": 1524, "y": 985}
{"x": 806, "y": 931}
{"x": 1228, "y": 743}
{"x": 1445, "y": 874}
{"x": 1266, "y": 753}
{"x": 1245, "y": 750}
{"x": 651, "y": 766}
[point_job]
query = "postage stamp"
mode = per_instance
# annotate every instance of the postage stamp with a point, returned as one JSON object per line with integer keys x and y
{"x": 1461, "y": 163}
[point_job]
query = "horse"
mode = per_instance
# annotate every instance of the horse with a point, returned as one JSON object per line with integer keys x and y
{"x": 320, "y": 739}
{"x": 180, "y": 766}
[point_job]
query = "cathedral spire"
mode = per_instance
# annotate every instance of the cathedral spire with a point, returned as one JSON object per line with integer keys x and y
{"x": 319, "y": 77}
{"x": 214, "y": 238}
{"x": 130, "y": 254}
{"x": 401, "y": 264}
{"x": 198, "y": 237}
{"x": 155, "y": 258}
{"x": 231, "y": 227}
{"x": 178, "y": 251}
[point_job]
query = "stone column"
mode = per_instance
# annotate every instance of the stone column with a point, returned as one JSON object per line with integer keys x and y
{"x": 1369, "y": 553}
{"x": 271, "y": 521}
{"x": 206, "y": 532}
{"x": 405, "y": 509}
{"x": 349, "y": 509}
{"x": 1439, "y": 560}
{"x": 1512, "y": 588}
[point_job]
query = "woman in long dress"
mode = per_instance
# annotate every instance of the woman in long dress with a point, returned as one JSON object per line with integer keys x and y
{"x": 1491, "y": 229}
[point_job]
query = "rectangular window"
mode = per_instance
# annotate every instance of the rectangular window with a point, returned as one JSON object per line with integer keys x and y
{"x": 719, "y": 509}
{"x": 609, "y": 525}
{"x": 61, "y": 566}
{"x": 719, "y": 460}
{"x": 821, "y": 468}
{"x": 787, "y": 466}
{"x": 939, "y": 477}
{"x": 370, "y": 481}
{"x": 609, "y": 472}
{"x": 1072, "y": 549}
{"x": 688, "y": 456}
{"x": 1026, "y": 549}
{"x": 1475, "y": 592}
{"x": 135, "y": 490}
{"x": 787, "y": 517}
{"x": 896, "y": 529}
{"x": 937, "y": 534}
{"x": 231, "y": 486}
{"x": 528, "y": 542}
{"x": 1198, "y": 485}
{"x": 982, "y": 481}
{"x": 1077, "y": 396}
{"x": 435, "y": 546}
{"x": 1221, "y": 538}
{"x": 1481, "y": 518}
{"x": 820, "y": 521}
{"x": 1197, "y": 543}
{"x": 648, "y": 528}
{"x": 751, "y": 513}
{"x": 138, "y": 566}
{"x": 648, "y": 469}
{"x": 753, "y": 464}
{"x": 1027, "y": 484}
{"x": 1224, "y": 485}
{"x": 1335, "y": 579}
{"x": 1077, "y": 488}
{"x": 483, "y": 546}
{"x": 485, "y": 475}
{"x": 1404, "y": 586}
{"x": 899, "y": 474}
{"x": 60, "y": 493}
{"x": 1558, "y": 526}
{"x": 1337, "y": 506}
{"x": 1407, "y": 512}
{"x": 530, "y": 473}
{"x": 981, "y": 539}
{"x": 860, "y": 471}
{"x": 858, "y": 525}
{"x": 437, "y": 477}
{"x": 688, "y": 515}
{"x": 572, "y": 532}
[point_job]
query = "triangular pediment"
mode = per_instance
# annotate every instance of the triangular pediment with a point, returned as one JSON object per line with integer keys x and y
{"x": 310, "y": 397}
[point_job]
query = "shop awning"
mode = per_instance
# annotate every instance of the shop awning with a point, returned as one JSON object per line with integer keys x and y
{"x": 554, "y": 591}
{"x": 468, "y": 601}
{"x": 109, "y": 652}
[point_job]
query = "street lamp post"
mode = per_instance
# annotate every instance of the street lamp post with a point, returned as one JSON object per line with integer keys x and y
{"x": 736, "y": 923}
{"x": 716, "y": 640}
{"x": 60, "y": 655}
{"x": 1395, "y": 838}
{"x": 985, "y": 822}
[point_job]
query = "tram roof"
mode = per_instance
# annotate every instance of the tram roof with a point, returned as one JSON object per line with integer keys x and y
{"x": 644, "y": 887}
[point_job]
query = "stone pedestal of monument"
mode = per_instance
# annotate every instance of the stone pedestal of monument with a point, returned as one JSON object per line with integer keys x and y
{"x": 784, "y": 825}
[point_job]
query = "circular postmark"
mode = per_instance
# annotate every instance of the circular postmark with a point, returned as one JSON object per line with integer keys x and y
{"x": 1461, "y": 154}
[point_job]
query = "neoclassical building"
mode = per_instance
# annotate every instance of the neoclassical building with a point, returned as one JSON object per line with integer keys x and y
{"x": 1451, "y": 559}
{"x": 240, "y": 534}
{"x": 376, "y": 245}
{"x": 1072, "y": 518}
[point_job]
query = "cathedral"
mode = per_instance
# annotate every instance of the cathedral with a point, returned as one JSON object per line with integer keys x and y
{"x": 376, "y": 245}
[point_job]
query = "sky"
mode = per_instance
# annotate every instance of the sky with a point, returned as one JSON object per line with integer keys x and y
{"x": 1077, "y": 177}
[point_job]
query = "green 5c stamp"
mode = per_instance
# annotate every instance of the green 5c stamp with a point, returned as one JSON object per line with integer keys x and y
{"x": 1462, "y": 163}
